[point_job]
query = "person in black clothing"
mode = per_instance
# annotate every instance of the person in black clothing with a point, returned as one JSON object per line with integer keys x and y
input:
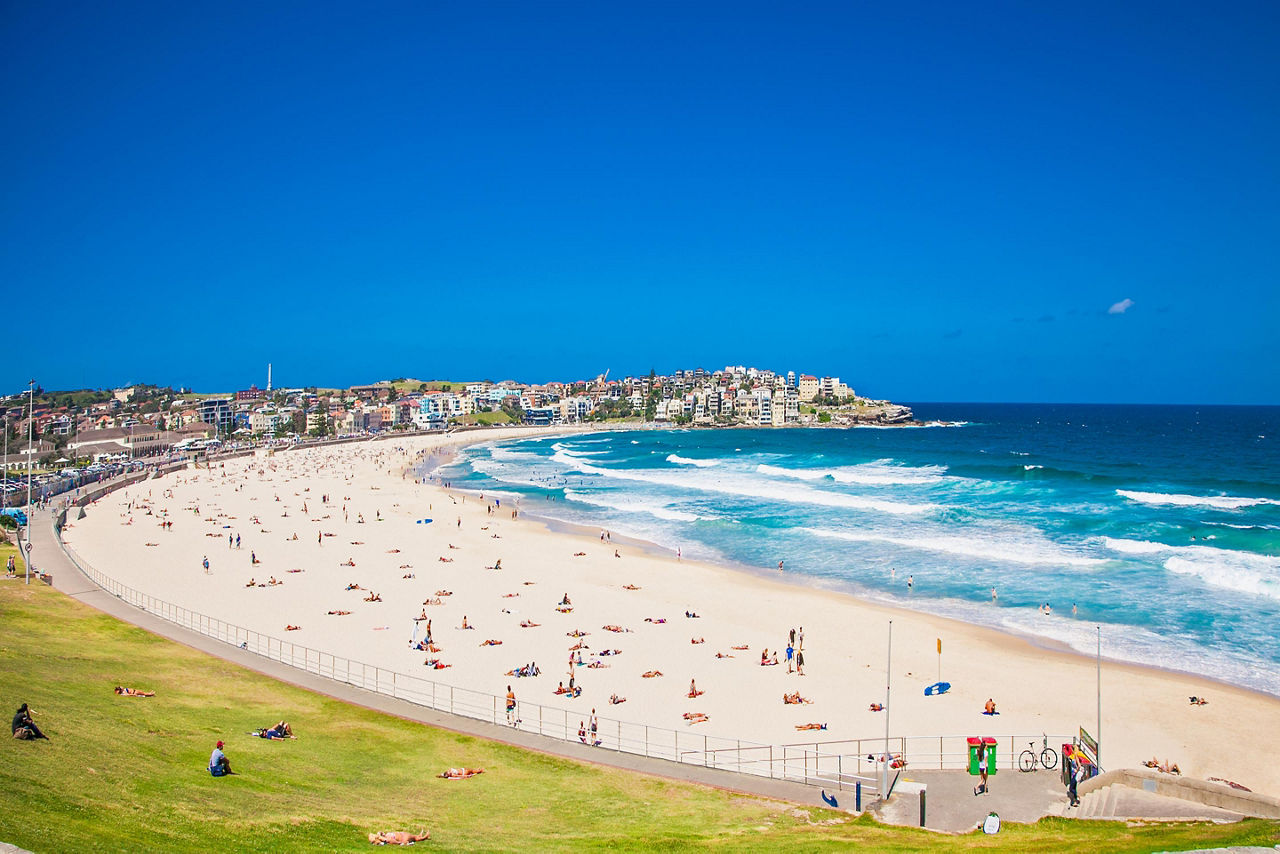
{"x": 23, "y": 726}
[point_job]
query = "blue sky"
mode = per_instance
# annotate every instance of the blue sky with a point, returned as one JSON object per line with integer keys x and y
{"x": 934, "y": 201}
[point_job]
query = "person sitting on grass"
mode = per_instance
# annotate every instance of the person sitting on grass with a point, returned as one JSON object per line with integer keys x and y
{"x": 24, "y": 727}
{"x": 133, "y": 692}
{"x": 398, "y": 837}
{"x": 219, "y": 764}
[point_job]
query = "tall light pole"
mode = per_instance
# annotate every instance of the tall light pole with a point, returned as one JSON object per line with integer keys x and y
{"x": 31, "y": 407}
{"x": 888, "y": 676}
{"x": 1098, "y": 755}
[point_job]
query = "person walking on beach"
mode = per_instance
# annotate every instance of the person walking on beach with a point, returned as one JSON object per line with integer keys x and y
{"x": 801, "y": 637}
{"x": 982, "y": 769}
{"x": 511, "y": 706}
{"x": 790, "y": 655}
{"x": 792, "y": 639}
{"x": 800, "y": 662}
{"x": 206, "y": 564}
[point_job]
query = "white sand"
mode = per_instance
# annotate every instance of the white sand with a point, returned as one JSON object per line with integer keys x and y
{"x": 1145, "y": 711}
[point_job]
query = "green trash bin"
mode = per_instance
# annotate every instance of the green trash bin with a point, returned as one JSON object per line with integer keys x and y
{"x": 976, "y": 745}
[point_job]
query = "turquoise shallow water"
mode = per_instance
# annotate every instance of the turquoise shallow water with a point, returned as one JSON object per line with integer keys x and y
{"x": 1160, "y": 524}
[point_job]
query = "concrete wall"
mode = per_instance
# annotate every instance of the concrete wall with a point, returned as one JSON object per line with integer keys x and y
{"x": 1197, "y": 791}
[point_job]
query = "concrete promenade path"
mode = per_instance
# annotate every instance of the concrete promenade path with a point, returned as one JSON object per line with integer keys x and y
{"x": 48, "y": 557}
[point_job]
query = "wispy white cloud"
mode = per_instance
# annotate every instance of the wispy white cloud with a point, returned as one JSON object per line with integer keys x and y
{"x": 1121, "y": 307}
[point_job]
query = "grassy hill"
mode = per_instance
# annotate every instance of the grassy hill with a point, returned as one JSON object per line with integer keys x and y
{"x": 124, "y": 773}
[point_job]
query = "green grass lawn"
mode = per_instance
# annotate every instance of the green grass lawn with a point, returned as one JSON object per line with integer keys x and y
{"x": 125, "y": 773}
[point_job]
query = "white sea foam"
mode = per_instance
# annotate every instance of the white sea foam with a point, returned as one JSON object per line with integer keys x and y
{"x": 1025, "y": 550}
{"x": 730, "y": 483}
{"x": 1229, "y": 570}
{"x": 662, "y": 511}
{"x": 1031, "y": 467}
{"x": 686, "y": 461}
{"x": 878, "y": 473}
{"x": 1135, "y": 547}
{"x": 1221, "y": 502}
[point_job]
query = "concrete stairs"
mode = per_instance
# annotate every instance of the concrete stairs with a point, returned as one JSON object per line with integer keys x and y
{"x": 1118, "y": 802}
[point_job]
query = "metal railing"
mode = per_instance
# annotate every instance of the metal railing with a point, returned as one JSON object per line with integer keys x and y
{"x": 810, "y": 765}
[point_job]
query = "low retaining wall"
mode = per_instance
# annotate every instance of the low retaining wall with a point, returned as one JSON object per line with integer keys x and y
{"x": 1196, "y": 791}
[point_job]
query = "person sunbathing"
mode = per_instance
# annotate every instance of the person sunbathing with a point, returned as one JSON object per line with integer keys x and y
{"x": 765, "y": 661}
{"x": 295, "y": 570}
{"x": 133, "y": 692}
{"x": 576, "y": 633}
{"x": 408, "y": 575}
{"x": 340, "y": 613}
{"x": 455, "y": 548}
{"x": 564, "y": 609}
{"x": 491, "y": 642}
{"x": 398, "y": 837}
{"x": 629, "y": 587}
{"x": 597, "y": 665}
{"x": 529, "y": 624}
{"x": 876, "y": 707}
{"x": 743, "y": 646}
{"x": 252, "y": 583}
{"x": 421, "y": 617}
{"x": 353, "y": 586}
{"x": 393, "y": 551}
{"x": 697, "y": 640}
{"x": 696, "y": 717}
{"x": 609, "y": 652}
{"x": 565, "y": 600}
{"x": 794, "y": 699}
{"x": 657, "y": 621}
{"x": 465, "y": 624}
{"x": 435, "y": 601}
{"x": 348, "y": 562}
{"x": 614, "y": 699}
{"x": 1198, "y": 701}
{"x": 693, "y": 689}
{"x": 461, "y": 773}
{"x": 810, "y": 726}
{"x": 281, "y": 730}
{"x": 990, "y": 707}
{"x": 649, "y": 674}
{"x": 510, "y": 595}
{"x": 373, "y": 597}
{"x": 436, "y": 664}
{"x": 617, "y": 629}
{"x": 691, "y": 615}
{"x": 291, "y": 628}
{"x": 560, "y": 689}
{"x": 579, "y": 554}
{"x": 443, "y": 559}
{"x": 723, "y": 655}
{"x": 443, "y": 593}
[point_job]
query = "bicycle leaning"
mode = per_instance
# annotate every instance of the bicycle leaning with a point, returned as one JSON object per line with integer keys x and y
{"x": 1028, "y": 760}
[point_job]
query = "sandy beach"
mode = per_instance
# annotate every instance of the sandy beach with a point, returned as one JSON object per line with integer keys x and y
{"x": 321, "y": 520}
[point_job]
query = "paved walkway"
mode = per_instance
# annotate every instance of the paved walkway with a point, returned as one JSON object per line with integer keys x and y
{"x": 49, "y": 557}
{"x": 950, "y": 804}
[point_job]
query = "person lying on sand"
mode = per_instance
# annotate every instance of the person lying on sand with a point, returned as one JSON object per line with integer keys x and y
{"x": 1198, "y": 701}
{"x": 617, "y": 629}
{"x": 435, "y": 601}
{"x": 444, "y": 593}
{"x": 444, "y": 559}
{"x": 576, "y": 633}
{"x": 810, "y": 726}
{"x": 597, "y": 665}
{"x": 723, "y": 655}
{"x": 340, "y": 613}
{"x": 696, "y": 717}
{"x": 609, "y": 652}
{"x": 614, "y": 699}
{"x": 348, "y": 562}
{"x": 461, "y": 773}
{"x": 794, "y": 699}
{"x": 876, "y": 707}
{"x": 691, "y": 615}
{"x": 629, "y": 587}
{"x": 491, "y": 642}
{"x": 510, "y": 595}
{"x": 697, "y": 640}
{"x": 292, "y": 628}
{"x": 252, "y": 583}
{"x": 398, "y": 837}
{"x": 655, "y": 621}
{"x": 579, "y": 554}
{"x": 133, "y": 692}
{"x": 529, "y": 624}
{"x": 649, "y": 674}
{"x": 373, "y": 597}
{"x": 564, "y": 609}
{"x": 353, "y": 586}
{"x": 455, "y": 548}
{"x": 436, "y": 664}
{"x": 765, "y": 661}
{"x": 743, "y": 646}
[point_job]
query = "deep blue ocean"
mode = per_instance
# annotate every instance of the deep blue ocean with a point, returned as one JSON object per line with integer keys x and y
{"x": 1161, "y": 524}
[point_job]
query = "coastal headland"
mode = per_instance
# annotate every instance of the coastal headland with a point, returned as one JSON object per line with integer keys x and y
{"x": 321, "y": 520}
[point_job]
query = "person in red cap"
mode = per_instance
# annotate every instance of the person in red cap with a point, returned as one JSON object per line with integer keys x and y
{"x": 219, "y": 764}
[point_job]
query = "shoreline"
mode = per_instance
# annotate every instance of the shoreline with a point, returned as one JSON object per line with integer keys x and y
{"x": 1038, "y": 689}
{"x": 837, "y": 587}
